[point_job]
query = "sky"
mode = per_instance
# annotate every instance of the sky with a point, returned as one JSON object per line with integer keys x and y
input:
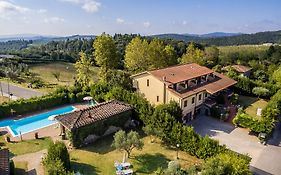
{"x": 146, "y": 17}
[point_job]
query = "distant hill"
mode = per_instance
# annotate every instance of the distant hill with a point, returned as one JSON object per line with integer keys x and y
{"x": 225, "y": 39}
{"x": 256, "y": 38}
{"x": 218, "y": 35}
{"x": 37, "y": 39}
{"x": 191, "y": 37}
{"x": 184, "y": 37}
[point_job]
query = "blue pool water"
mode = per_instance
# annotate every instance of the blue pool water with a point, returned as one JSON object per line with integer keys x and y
{"x": 34, "y": 122}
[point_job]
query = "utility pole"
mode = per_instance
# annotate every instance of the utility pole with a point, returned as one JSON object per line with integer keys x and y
{"x": 9, "y": 89}
{"x": 1, "y": 88}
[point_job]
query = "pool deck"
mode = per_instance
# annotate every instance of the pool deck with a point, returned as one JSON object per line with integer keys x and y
{"x": 52, "y": 131}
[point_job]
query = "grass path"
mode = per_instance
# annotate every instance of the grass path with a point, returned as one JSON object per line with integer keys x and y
{"x": 100, "y": 157}
{"x": 33, "y": 166}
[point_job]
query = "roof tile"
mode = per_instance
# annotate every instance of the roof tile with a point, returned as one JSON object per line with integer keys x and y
{"x": 92, "y": 114}
{"x": 4, "y": 162}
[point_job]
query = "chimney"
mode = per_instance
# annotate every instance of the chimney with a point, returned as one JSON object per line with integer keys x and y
{"x": 89, "y": 115}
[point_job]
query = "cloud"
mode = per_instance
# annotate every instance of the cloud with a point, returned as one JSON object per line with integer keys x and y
{"x": 184, "y": 23}
{"x": 54, "y": 20}
{"x": 89, "y": 6}
{"x": 42, "y": 11}
{"x": 10, "y": 8}
{"x": 72, "y": 1}
{"x": 120, "y": 21}
{"x": 146, "y": 24}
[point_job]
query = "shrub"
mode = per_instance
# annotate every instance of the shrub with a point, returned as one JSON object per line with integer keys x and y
{"x": 226, "y": 164}
{"x": 263, "y": 125}
{"x": 57, "y": 152}
{"x": 56, "y": 167}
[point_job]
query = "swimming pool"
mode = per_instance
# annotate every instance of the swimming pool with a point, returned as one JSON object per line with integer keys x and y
{"x": 34, "y": 122}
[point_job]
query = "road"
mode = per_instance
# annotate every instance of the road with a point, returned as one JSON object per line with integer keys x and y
{"x": 265, "y": 159}
{"x": 18, "y": 92}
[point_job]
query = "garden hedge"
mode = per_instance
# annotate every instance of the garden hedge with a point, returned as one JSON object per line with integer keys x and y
{"x": 22, "y": 106}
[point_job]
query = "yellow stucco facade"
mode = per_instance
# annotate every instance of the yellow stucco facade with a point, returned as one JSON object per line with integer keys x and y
{"x": 155, "y": 91}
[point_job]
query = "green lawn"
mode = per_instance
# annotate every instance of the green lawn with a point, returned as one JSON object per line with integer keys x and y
{"x": 67, "y": 72}
{"x": 20, "y": 168}
{"x": 26, "y": 146}
{"x": 251, "y": 104}
{"x": 100, "y": 157}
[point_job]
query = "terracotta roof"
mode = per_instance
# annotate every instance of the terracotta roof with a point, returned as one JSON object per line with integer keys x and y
{"x": 241, "y": 68}
{"x": 4, "y": 162}
{"x": 180, "y": 73}
{"x": 92, "y": 114}
{"x": 218, "y": 84}
{"x": 222, "y": 83}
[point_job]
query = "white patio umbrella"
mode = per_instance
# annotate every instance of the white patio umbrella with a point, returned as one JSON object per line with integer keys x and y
{"x": 88, "y": 98}
{"x": 52, "y": 117}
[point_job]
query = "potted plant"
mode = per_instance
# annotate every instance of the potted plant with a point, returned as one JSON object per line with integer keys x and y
{"x": 8, "y": 138}
{"x": 36, "y": 135}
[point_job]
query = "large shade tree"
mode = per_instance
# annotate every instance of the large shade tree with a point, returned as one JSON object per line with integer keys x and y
{"x": 105, "y": 52}
{"x": 83, "y": 69}
{"x": 136, "y": 55}
{"x": 141, "y": 55}
{"x": 193, "y": 55}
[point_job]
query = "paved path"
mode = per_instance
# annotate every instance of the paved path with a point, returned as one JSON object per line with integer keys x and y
{"x": 34, "y": 166}
{"x": 265, "y": 159}
{"x": 18, "y": 92}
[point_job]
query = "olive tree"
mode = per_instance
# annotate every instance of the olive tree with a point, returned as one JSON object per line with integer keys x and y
{"x": 127, "y": 142}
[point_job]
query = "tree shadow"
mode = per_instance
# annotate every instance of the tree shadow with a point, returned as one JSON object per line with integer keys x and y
{"x": 2, "y": 133}
{"x": 205, "y": 125}
{"x": 275, "y": 140}
{"x": 101, "y": 146}
{"x": 247, "y": 101}
{"x": 257, "y": 171}
{"x": 32, "y": 172}
{"x": 84, "y": 169}
{"x": 149, "y": 163}
{"x": 20, "y": 171}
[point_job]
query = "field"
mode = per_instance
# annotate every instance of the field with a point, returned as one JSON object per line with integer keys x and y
{"x": 100, "y": 157}
{"x": 243, "y": 48}
{"x": 66, "y": 70}
{"x": 251, "y": 104}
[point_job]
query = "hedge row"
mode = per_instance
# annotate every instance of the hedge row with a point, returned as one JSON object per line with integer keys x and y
{"x": 23, "y": 106}
{"x": 263, "y": 125}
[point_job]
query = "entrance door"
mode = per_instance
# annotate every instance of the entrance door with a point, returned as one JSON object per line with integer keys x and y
{"x": 187, "y": 117}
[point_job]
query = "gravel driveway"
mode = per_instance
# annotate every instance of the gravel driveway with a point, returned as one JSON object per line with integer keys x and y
{"x": 265, "y": 159}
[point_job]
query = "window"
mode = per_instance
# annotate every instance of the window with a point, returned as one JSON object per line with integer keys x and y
{"x": 193, "y": 100}
{"x": 206, "y": 95}
{"x": 157, "y": 98}
{"x": 185, "y": 103}
{"x": 200, "y": 96}
{"x": 147, "y": 82}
